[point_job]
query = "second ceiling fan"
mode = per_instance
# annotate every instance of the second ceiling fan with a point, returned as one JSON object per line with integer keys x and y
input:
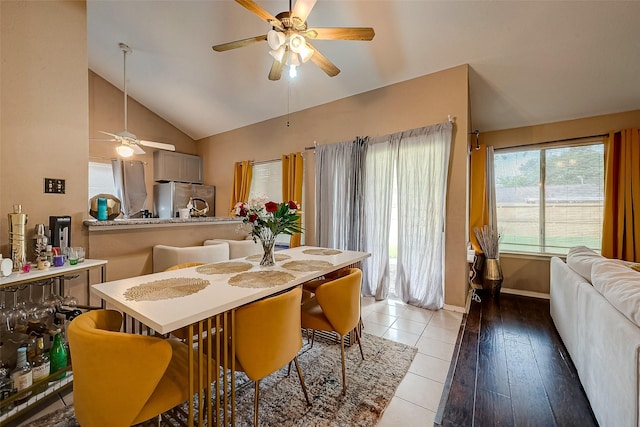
{"x": 289, "y": 38}
{"x": 129, "y": 143}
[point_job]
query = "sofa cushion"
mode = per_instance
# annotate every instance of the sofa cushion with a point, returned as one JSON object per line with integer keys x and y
{"x": 620, "y": 285}
{"x": 238, "y": 248}
{"x": 581, "y": 260}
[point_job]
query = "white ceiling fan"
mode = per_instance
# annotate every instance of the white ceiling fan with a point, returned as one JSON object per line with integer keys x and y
{"x": 129, "y": 143}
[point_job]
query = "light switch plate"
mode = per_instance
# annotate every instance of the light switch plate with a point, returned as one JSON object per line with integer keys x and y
{"x": 54, "y": 185}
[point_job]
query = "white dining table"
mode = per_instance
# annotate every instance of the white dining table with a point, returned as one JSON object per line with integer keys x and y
{"x": 212, "y": 308}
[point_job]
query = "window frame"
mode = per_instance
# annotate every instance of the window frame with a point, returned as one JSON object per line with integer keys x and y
{"x": 542, "y": 148}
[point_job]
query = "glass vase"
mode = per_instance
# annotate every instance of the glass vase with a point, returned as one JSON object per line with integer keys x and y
{"x": 268, "y": 240}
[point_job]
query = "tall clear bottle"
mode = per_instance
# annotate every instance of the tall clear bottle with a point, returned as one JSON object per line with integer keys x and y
{"x": 40, "y": 365}
{"x": 22, "y": 376}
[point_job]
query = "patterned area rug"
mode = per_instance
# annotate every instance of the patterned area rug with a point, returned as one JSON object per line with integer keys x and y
{"x": 370, "y": 386}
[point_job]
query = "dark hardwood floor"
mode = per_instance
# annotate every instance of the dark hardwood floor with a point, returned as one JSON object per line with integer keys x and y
{"x": 511, "y": 369}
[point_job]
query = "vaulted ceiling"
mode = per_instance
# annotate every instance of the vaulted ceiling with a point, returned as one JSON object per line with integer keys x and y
{"x": 530, "y": 62}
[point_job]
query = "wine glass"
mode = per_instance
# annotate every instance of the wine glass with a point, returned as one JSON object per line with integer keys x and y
{"x": 4, "y": 311}
{"x": 45, "y": 310}
{"x": 30, "y": 306}
{"x": 17, "y": 314}
{"x": 69, "y": 301}
{"x": 52, "y": 300}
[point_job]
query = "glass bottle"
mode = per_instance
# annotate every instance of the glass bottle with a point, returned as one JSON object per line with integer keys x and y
{"x": 58, "y": 356}
{"x": 22, "y": 376}
{"x": 40, "y": 365}
{"x": 6, "y": 387}
{"x": 4, "y": 368}
{"x": 17, "y": 233}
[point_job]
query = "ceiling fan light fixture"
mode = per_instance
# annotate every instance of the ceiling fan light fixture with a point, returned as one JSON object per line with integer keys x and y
{"x": 278, "y": 54}
{"x": 292, "y": 71}
{"x": 306, "y": 53}
{"x": 275, "y": 39}
{"x": 297, "y": 43}
{"x": 124, "y": 150}
{"x": 293, "y": 59}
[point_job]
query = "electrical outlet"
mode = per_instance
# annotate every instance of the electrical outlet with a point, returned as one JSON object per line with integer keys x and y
{"x": 53, "y": 185}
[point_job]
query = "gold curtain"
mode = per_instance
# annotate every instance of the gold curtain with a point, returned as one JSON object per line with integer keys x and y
{"x": 241, "y": 183}
{"x": 292, "y": 173}
{"x": 620, "y": 231}
{"x": 479, "y": 205}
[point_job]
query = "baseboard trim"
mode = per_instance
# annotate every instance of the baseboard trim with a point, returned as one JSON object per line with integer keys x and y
{"x": 525, "y": 293}
{"x": 455, "y": 308}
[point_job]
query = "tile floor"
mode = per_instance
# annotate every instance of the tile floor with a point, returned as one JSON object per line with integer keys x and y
{"x": 434, "y": 333}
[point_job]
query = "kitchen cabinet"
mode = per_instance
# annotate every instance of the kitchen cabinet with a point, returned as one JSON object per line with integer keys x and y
{"x": 179, "y": 167}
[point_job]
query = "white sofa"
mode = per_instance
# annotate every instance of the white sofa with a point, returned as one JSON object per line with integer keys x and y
{"x": 238, "y": 248}
{"x": 167, "y": 256}
{"x": 595, "y": 305}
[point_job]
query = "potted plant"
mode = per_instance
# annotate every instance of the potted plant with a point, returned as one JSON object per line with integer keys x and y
{"x": 267, "y": 220}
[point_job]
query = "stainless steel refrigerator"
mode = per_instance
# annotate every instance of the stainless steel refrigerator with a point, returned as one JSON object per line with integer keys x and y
{"x": 170, "y": 197}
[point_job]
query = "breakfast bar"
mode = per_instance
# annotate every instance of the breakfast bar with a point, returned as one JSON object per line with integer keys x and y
{"x": 204, "y": 298}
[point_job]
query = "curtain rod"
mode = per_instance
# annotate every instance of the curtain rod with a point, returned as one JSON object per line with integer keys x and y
{"x": 533, "y": 144}
{"x": 262, "y": 162}
{"x": 450, "y": 119}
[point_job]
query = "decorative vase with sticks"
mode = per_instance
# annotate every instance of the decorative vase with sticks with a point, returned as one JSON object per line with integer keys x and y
{"x": 489, "y": 240}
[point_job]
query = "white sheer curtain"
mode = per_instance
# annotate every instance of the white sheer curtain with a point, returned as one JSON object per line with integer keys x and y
{"x": 339, "y": 197}
{"x": 380, "y": 164}
{"x": 491, "y": 189}
{"x": 422, "y": 170}
{"x": 128, "y": 177}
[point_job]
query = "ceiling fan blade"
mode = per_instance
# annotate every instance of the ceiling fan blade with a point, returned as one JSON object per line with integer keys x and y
{"x": 302, "y": 8}
{"x": 136, "y": 148}
{"x": 321, "y": 61}
{"x": 252, "y": 7}
{"x": 276, "y": 70}
{"x": 103, "y": 139}
{"x": 113, "y": 135}
{"x": 239, "y": 43}
{"x": 160, "y": 145}
{"x": 355, "y": 33}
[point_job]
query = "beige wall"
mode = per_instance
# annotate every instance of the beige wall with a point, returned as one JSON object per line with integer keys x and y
{"x": 44, "y": 122}
{"x": 415, "y": 103}
{"x": 531, "y": 273}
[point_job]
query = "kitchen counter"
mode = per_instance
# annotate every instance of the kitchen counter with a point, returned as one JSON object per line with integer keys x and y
{"x": 128, "y": 243}
{"x": 131, "y": 223}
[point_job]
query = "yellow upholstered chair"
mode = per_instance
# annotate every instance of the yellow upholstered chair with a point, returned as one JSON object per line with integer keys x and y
{"x": 121, "y": 379}
{"x": 311, "y": 285}
{"x": 268, "y": 337}
{"x": 336, "y": 307}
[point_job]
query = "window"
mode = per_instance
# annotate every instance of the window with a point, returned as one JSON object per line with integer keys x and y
{"x": 550, "y": 199}
{"x": 101, "y": 179}
{"x": 266, "y": 180}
